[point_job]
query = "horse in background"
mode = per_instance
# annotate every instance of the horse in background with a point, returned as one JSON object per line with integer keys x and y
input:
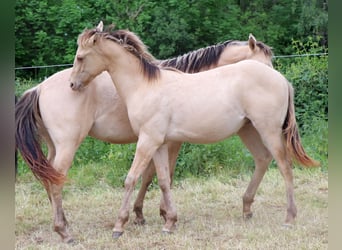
{"x": 100, "y": 113}
{"x": 249, "y": 99}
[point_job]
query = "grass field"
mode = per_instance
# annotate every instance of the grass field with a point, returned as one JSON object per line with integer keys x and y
{"x": 209, "y": 215}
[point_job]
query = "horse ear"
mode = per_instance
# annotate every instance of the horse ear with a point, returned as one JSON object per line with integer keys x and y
{"x": 99, "y": 27}
{"x": 251, "y": 41}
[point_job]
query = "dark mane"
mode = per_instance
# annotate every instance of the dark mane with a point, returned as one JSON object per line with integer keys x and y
{"x": 265, "y": 48}
{"x": 191, "y": 62}
{"x": 131, "y": 42}
{"x": 197, "y": 60}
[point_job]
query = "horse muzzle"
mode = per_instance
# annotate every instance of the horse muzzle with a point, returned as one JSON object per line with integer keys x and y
{"x": 75, "y": 85}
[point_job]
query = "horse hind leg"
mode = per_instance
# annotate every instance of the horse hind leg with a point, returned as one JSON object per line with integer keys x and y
{"x": 262, "y": 158}
{"x": 274, "y": 141}
{"x": 55, "y": 191}
{"x": 62, "y": 162}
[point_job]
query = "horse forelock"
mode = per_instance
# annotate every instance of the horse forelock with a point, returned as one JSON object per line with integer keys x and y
{"x": 129, "y": 41}
{"x": 85, "y": 36}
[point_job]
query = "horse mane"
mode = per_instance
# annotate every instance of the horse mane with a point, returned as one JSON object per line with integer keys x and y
{"x": 195, "y": 61}
{"x": 265, "y": 48}
{"x": 191, "y": 62}
{"x": 131, "y": 42}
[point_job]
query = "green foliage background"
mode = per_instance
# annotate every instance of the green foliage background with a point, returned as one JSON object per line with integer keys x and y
{"x": 46, "y": 32}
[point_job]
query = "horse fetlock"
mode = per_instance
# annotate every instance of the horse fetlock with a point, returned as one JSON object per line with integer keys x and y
{"x": 247, "y": 215}
{"x": 290, "y": 219}
{"x": 140, "y": 221}
{"x": 62, "y": 231}
{"x": 169, "y": 227}
{"x": 162, "y": 213}
{"x": 291, "y": 214}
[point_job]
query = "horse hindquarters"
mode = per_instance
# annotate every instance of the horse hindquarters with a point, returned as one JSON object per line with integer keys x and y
{"x": 267, "y": 115}
{"x": 29, "y": 128}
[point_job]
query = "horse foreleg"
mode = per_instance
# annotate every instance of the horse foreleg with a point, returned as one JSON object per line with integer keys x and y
{"x": 143, "y": 155}
{"x": 173, "y": 149}
{"x": 262, "y": 158}
{"x": 146, "y": 180}
{"x": 147, "y": 177}
{"x": 160, "y": 159}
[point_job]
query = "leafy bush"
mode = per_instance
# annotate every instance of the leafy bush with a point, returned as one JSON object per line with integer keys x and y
{"x": 46, "y": 30}
{"x": 309, "y": 77}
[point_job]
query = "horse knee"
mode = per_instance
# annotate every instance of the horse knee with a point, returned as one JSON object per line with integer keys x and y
{"x": 164, "y": 184}
{"x": 130, "y": 183}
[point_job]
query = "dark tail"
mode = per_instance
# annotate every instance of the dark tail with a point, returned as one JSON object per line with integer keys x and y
{"x": 293, "y": 141}
{"x": 27, "y": 139}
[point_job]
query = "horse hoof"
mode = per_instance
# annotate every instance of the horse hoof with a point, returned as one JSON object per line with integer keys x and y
{"x": 139, "y": 222}
{"x": 116, "y": 235}
{"x": 287, "y": 225}
{"x": 166, "y": 231}
{"x": 69, "y": 240}
{"x": 248, "y": 216}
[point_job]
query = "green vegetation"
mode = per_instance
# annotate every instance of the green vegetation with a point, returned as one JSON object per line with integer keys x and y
{"x": 46, "y": 30}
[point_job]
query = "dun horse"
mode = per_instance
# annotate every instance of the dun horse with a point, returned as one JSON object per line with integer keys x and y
{"x": 99, "y": 112}
{"x": 247, "y": 98}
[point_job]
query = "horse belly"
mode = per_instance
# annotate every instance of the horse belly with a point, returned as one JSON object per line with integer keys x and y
{"x": 206, "y": 129}
{"x": 111, "y": 123}
{"x": 113, "y": 131}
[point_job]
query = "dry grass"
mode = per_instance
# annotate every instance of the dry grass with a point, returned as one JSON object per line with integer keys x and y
{"x": 209, "y": 216}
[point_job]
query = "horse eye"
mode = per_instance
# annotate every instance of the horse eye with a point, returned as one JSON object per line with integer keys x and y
{"x": 79, "y": 58}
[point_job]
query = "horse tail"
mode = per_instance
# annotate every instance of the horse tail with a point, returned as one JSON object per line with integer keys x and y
{"x": 292, "y": 138}
{"x": 28, "y": 123}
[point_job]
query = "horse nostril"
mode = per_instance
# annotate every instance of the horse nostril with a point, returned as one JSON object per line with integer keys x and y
{"x": 71, "y": 85}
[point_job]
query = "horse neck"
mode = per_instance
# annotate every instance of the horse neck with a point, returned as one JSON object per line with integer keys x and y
{"x": 233, "y": 54}
{"x": 125, "y": 71}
